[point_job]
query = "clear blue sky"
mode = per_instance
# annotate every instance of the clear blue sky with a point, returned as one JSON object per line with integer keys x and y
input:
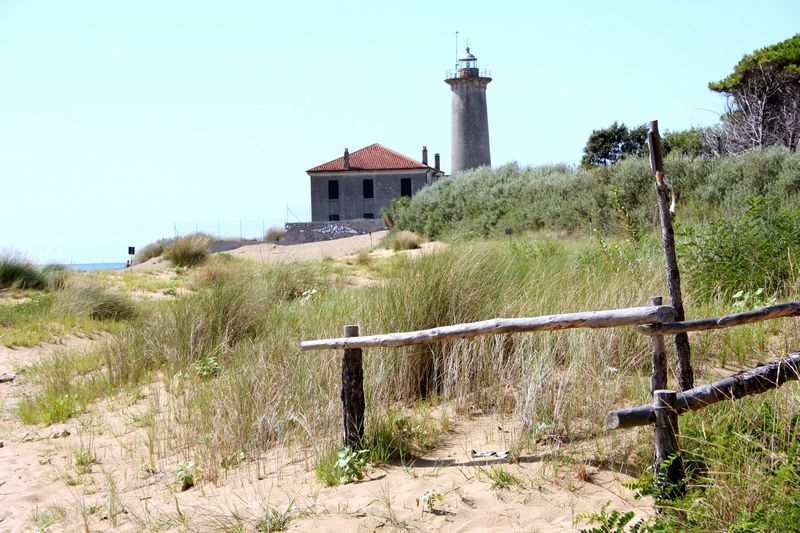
{"x": 122, "y": 120}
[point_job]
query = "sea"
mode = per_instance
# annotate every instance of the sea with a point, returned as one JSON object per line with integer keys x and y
{"x": 86, "y": 267}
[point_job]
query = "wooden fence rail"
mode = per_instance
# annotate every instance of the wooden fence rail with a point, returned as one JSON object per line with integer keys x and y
{"x": 632, "y": 316}
{"x": 755, "y": 381}
{"x": 727, "y": 321}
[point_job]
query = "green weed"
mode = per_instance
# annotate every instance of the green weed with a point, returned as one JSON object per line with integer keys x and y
{"x": 83, "y": 461}
{"x": 501, "y": 478}
{"x": 274, "y": 521}
{"x": 185, "y": 474}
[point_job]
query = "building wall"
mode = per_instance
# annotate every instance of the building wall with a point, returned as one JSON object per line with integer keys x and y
{"x": 351, "y": 204}
{"x": 470, "y": 124}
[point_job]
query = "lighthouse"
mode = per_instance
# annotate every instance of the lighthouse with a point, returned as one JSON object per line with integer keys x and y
{"x": 470, "y": 121}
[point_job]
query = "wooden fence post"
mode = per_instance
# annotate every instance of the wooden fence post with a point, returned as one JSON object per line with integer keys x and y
{"x": 659, "y": 378}
{"x": 352, "y": 393}
{"x": 669, "y": 477}
{"x": 682, "y": 349}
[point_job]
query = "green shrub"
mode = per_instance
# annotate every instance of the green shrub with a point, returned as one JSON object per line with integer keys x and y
{"x": 16, "y": 272}
{"x": 758, "y": 251}
{"x": 188, "y": 251}
{"x": 614, "y": 199}
{"x": 84, "y": 296}
{"x": 391, "y": 215}
{"x": 404, "y": 240}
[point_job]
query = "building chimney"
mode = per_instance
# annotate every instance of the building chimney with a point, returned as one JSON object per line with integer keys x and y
{"x": 436, "y": 161}
{"x": 346, "y": 159}
{"x": 425, "y": 155}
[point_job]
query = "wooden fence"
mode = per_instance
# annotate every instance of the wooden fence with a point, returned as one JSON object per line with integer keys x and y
{"x": 654, "y": 321}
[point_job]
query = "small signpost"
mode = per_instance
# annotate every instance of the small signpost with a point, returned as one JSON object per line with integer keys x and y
{"x": 131, "y": 252}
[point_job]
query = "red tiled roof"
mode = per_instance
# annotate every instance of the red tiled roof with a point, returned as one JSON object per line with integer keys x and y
{"x": 373, "y": 157}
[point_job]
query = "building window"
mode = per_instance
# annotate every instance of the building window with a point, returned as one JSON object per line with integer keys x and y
{"x": 369, "y": 215}
{"x": 333, "y": 217}
{"x": 369, "y": 191}
{"x": 405, "y": 186}
{"x": 333, "y": 190}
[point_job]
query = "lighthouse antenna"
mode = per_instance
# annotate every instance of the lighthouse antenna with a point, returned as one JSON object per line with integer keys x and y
{"x": 456, "y": 63}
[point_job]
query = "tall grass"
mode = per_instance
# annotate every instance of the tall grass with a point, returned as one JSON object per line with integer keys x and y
{"x": 188, "y": 251}
{"x": 55, "y": 276}
{"x": 404, "y": 240}
{"x": 84, "y": 296}
{"x": 151, "y": 250}
{"x": 19, "y": 273}
{"x": 275, "y": 234}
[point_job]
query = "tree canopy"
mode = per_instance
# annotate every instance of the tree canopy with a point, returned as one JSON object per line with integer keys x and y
{"x": 782, "y": 59}
{"x": 609, "y": 145}
{"x": 763, "y": 100}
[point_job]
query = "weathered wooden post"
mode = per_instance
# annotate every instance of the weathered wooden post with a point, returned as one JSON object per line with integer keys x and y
{"x": 682, "y": 349}
{"x": 352, "y": 393}
{"x": 659, "y": 378}
{"x": 669, "y": 477}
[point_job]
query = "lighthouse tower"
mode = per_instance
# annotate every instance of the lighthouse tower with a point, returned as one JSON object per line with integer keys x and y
{"x": 470, "y": 121}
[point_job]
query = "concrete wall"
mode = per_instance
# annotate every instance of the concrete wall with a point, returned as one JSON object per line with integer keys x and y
{"x": 470, "y": 124}
{"x": 351, "y": 204}
{"x": 300, "y": 232}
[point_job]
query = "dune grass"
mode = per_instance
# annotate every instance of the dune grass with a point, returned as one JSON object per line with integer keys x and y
{"x": 275, "y": 234}
{"x": 55, "y": 276}
{"x": 151, "y": 250}
{"x": 229, "y": 357}
{"x": 86, "y": 297}
{"x": 35, "y": 320}
{"x": 404, "y": 240}
{"x": 188, "y": 251}
{"x": 16, "y": 272}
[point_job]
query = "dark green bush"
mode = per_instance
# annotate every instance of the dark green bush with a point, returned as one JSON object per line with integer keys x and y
{"x": 759, "y": 250}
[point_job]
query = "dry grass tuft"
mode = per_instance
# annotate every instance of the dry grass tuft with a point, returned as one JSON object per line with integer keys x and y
{"x": 404, "y": 240}
{"x": 188, "y": 251}
{"x": 275, "y": 234}
{"x": 84, "y": 296}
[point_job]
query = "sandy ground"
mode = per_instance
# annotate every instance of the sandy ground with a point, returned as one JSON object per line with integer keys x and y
{"x": 268, "y": 252}
{"x": 130, "y": 489}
